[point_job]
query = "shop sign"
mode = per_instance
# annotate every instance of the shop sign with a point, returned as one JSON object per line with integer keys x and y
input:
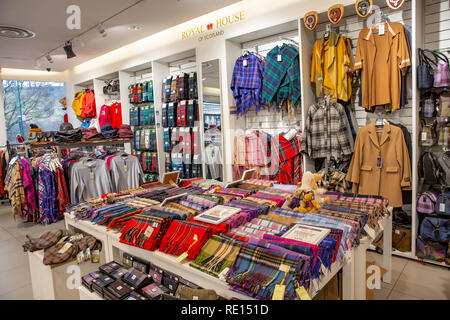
{"x": 213, "y": 25}
{"x": 363, "y": 7}
{"x": 335, "y": 13}
{"x": 395, "y": 4}
{"x": 311, "y": 19}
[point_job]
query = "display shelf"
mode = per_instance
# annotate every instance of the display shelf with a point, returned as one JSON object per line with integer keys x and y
{"x": 79, "y": 144}
{"x": 168, "y": 262}
{"x": 85, "y": 294}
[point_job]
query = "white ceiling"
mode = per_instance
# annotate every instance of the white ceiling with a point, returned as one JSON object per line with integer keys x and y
{"x": 47, "y": 19}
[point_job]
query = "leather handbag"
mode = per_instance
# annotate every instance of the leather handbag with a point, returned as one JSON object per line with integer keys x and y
{"x": 442, "y": 72}
{"x": 435, "y": 229}
{"x": 401, "y": 238}
{"x": 430, "y": 250}
{"x": 425, "y": 71}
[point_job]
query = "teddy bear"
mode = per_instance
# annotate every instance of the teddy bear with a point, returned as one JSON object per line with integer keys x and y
{"x": 309, "y": 194}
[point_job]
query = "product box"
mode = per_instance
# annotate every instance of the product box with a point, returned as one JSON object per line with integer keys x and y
{"x": 88, "y": 279}
{"x": 154, "y": 291}
{"x": 99, "y": 284}
{"x": 117, "y": 290}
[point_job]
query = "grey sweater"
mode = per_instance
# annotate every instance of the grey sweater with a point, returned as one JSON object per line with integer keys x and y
{"x": 89, "y": 179}
{"x": 126, "y": 173}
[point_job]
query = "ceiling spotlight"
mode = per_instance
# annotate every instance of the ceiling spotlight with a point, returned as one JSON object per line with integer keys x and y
{"x": 68, "y": 50}
{"x": 134, "y": 28}
{"x": 101, "y": 30}
{"x": 49, "y": 59}
{"x": 37, "y": 64}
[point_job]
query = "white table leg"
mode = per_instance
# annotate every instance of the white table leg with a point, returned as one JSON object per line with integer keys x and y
{"x": 348, "y": 279}
{"x": 387, "y": 248}
{"x": 361, "y": 269}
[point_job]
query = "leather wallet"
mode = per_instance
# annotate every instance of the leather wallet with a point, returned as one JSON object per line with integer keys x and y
{"x": 169, "y": 297}
{"x": 119, "y": 273}
{"x": 156, "y": 274}
{"x": 109, "y": 267}
{"x": 127, "y": 260}
{"x": 184, "y": 292}
{"x": 87, "y": 279}
{"x": 117, "y": 290}
{"x": 154, "y": 291}
{"x": 136, "y": 278}
{"x": 135, "y": 296}
{"x": 141, "y": 265}
{"x": 170, "y": 284}
{"x": 101, "y": 283}
{"x": 189, "y": 284}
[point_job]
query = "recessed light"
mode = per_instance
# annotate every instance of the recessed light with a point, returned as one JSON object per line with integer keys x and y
{"x": 15, "y": 32}
{"x": 134, "y": 28}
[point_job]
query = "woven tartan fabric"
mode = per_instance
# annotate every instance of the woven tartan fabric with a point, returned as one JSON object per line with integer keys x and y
{"x": 246, "y": 83}
{"x": 46, "y": 240}
{"x": 281, "y": 80}
{"x": 256, "y": 270}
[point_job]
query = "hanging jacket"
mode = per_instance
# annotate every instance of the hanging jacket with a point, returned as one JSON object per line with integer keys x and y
{"x": 78, "y": 102}
{"x": 88, "y": 108}
{"x": 105, "y": 116}
{"x": 386, "y": 177}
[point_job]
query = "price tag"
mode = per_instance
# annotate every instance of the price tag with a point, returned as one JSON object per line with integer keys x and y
{"x": 324, "y": 270}
{"x": 278, "y": 293}
{"x": 62, "y": 239}
{"x": 148, "y": 232}
{"x": 133, "y": 277}
{"x": 91, "y": 175}
{"x": 381, "y": 225}
{"x": 245, "y": 63}
{"x": 370, "y": 231}
{"x": 182, "y": 257}
{"x": 95, "y": 256}
{"x": 381, "y": 29}
{"x": 194, "y": 297}
{"x": 223, "y": 273}
{"x": 279, "y": 58}
{"x": 119, "y": 288}
{"x": 424, "y": 136}
{"x": 397, "y": 231}
{"x": 65, "y": 247}
{"x": 442, "y": 207}
{"x": 284, "y": 268}
{"x": 302, "y": 294}
{"x": 87, "y": 255}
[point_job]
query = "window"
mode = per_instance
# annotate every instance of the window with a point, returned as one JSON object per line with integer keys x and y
{"x": 32, "y": 102}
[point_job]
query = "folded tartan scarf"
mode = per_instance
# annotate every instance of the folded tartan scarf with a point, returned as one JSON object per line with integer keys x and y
{"x": 66, "y": 250}
{"x": 179, "y": 238}
{"x": 217, "y": 254}
{"x": 256, "y": 270}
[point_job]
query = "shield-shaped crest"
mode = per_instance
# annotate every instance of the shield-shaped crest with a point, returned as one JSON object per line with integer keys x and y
{"x": 363, "y": 7}
{"x": 311, "y": 19}
{"x": 395, "y": 4}
{"x": 335, "y": 13}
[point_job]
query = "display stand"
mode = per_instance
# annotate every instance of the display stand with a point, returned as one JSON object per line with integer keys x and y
{"x": 96, "y": 231}
{"x": 85, "y": 294}
{"x": 53, "y": 282}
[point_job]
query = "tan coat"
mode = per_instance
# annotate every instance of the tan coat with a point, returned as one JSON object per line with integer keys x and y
{"x": 382, "y": 58}
{"x": 395, "y": 172}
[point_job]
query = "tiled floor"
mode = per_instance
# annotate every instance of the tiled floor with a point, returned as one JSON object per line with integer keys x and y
{"x": 410, "y": 279}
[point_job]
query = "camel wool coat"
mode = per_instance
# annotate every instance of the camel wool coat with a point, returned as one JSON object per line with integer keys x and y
{"x": 386, "y": 177}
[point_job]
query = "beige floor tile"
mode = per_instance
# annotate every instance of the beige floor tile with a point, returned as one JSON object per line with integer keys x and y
{"x": 5, "y": 235}
{"x": 24, "y": 293}
{"x": 381, "y": 294}
{"x": 13, "y": 260}
{"x": 14, "y": 279}
{"x": 424, "y": 281}
{"x": 10, "y": 245}
{"x": 395, "y": 295}
{"x": 398, "y": 264}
